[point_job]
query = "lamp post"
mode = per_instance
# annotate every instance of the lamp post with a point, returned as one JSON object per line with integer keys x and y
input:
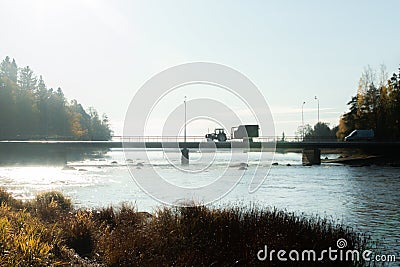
{"x": 47, "y": 117}
{"x": 302, "y": 118}
{"x": 184, "y": 131}
{"x": 185, "y": 150}
{"x": 316, "y": 98}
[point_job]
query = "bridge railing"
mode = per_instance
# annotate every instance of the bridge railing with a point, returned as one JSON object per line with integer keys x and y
{"x": 198, "y": 138}
{"x": 158, "y": 138}
{"x": 295, "y": 139}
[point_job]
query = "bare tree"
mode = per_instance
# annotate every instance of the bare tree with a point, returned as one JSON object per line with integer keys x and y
{"x": 383, "y": 76}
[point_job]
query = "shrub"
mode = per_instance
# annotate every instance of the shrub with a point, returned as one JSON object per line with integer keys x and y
{"x": 6, "y": 198}
{"x": 25, "y": 241}
{"x": 54, "y": 198}
{"x": 123, "y": 235}
{"x": 50, "y": 205}
{"x": 79, "y": 230}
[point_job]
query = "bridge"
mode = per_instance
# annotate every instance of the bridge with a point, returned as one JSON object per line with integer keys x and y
{"x": 311, "y": 148}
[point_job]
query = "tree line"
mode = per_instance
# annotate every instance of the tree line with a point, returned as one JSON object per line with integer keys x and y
{"x": 30, "y": 110}
{"x": 375, "y": 106}
{"x": 320, "y": 132}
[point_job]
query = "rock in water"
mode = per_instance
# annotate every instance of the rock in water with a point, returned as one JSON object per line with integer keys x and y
{"x": 68, "y": 168}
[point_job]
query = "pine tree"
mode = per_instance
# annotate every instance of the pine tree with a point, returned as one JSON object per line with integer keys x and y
{"x": 27, "y": 80}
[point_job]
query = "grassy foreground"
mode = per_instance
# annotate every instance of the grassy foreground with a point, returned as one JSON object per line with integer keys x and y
{"x": 49, "y": 232}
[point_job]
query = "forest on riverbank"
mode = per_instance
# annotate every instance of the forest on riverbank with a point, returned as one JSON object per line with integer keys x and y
{"x": 31, "y": 111}
{"x": 376, "y": 106}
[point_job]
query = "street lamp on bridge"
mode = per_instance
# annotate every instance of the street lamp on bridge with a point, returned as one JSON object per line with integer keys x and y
{"x": 185, "y": 150}
{"x": 302, "y": 118}
{"x": 184, "y": 130}
{"x": 316, "y": 98}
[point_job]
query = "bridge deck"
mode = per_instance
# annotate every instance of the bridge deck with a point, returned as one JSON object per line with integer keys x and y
{"x": 221, "y": 145}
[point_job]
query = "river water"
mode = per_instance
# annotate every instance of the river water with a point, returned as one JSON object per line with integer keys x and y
{"x": 365, "y": 198}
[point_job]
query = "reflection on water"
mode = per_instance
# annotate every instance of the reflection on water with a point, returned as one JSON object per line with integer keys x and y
{"x": 366, "y": 198}
{"x": 41, "y": 154}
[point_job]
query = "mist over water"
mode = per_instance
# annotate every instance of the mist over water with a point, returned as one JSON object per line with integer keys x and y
{"x": 365, "y": 198}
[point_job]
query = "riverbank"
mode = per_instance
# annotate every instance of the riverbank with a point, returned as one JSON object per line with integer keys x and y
{"x": 49, "y": 231}
{"x": 354, "y": 157}
{"x": 360, "y": 160}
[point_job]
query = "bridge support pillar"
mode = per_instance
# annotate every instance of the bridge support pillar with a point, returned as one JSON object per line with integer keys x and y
{"x": 311, "y": 156}
{"x": 185, "y": 156}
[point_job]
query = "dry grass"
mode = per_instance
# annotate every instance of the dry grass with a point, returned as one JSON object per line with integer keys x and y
{"x": 26, "y": 241}
{"x": 199, "y": 236}
{"x": 45, "y": 230}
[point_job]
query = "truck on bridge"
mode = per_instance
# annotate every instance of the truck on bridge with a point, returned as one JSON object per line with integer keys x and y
{"x": 245, "y": 132}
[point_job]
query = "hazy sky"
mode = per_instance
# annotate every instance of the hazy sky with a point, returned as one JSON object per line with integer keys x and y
{"x": 100, "y": 52}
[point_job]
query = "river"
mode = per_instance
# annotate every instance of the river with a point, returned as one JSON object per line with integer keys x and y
{"x": 365, "y": 198}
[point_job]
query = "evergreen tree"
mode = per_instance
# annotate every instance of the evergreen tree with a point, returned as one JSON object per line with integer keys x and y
{"x": 28, "y": 110}
{"x": 9, "y": 70}
{"x": 27, "y": 80}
